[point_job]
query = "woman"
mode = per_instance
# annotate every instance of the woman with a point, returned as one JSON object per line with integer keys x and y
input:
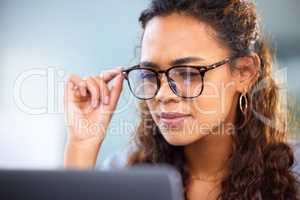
{"x": 209, "y": 105}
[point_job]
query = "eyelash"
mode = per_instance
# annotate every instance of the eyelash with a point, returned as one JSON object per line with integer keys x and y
{"x": 169, "y": 67}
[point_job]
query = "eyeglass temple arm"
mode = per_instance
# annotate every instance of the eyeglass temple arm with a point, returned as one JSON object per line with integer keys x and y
{"x": 126, "y": 69}
{"x": 227, "y": 60}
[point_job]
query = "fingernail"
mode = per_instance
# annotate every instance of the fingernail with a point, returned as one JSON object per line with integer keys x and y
{"x": 106, "y": 100}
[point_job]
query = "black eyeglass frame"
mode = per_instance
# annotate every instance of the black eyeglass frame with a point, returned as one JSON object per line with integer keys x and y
{"x": 201, "y": 68}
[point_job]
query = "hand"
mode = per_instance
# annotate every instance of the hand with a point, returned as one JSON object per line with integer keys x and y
{"x": 89, "y": 105}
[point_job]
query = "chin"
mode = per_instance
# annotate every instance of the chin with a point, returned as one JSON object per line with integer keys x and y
{"x": 179, "y": 138}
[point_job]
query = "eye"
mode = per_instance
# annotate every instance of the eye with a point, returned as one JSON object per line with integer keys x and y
{"x": 144, "y": 74}
{"x": 186, "y": 73}
{"x": 189, "y": 74}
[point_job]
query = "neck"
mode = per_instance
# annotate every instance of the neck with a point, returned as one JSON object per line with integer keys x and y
{"x": 208, "y": 155}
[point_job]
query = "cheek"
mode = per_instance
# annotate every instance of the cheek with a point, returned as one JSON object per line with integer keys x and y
{"x": 215, "y": 102}
{"x": 152, "y": 106}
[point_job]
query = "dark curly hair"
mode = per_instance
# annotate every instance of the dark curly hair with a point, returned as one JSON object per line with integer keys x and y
{"x": 260, "y": 165}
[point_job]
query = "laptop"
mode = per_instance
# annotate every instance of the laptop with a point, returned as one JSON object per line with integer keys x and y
{"x": 159, "y": 182}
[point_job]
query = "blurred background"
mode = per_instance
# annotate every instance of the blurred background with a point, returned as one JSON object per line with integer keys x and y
{"x": 41, "y": 42}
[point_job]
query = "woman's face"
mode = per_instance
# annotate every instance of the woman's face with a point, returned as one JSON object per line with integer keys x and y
{"x": 176, "y": 36}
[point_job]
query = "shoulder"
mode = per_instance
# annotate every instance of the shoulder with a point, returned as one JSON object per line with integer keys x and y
{"x": 295, "y": 145}
{"x": 118, "y": 159}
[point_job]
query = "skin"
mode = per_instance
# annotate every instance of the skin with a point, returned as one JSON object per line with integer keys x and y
{"x": 206, "y": 132}
{"x": 211, "y": 115}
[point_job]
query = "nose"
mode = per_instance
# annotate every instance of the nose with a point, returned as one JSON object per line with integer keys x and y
{"x": 165, "y": 93}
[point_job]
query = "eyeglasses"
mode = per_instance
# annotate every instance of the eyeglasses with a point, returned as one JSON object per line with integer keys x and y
{"x": 184, "y": 81}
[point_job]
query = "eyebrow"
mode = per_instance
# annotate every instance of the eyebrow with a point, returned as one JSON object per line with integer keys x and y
{"x": 178, "y": 61}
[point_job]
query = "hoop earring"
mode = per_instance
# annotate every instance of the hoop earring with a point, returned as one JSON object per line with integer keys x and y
{"x": 244, "y": 107}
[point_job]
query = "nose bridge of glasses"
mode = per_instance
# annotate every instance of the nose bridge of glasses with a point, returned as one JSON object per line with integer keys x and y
{"x": 165, "y": 85}
{"x": 160, "y": 76}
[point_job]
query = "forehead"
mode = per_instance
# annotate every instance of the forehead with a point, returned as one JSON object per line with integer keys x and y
{"x": 176, "y": 35}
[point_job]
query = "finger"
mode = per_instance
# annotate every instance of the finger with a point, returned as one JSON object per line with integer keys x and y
{"x": 83, "y": 87}
{"x": 94, "y": 90}
{"x": 110, "y": 74}
{"x": 74, "y": 79}
{"x": 116, "y": 90}
{"x": 104, "y": 90}
{"x": 68, "y": 89}
{"x": 72, "y": 85}
{"x": 69, "y": 96}
{"x": 78, "y": 83}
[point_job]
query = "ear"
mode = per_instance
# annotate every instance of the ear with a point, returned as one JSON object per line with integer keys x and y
{"x": 246, "y": 71}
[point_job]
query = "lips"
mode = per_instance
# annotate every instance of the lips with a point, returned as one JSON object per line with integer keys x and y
{"x": 173, "y": 119}
{"x": 172, "y": 115}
